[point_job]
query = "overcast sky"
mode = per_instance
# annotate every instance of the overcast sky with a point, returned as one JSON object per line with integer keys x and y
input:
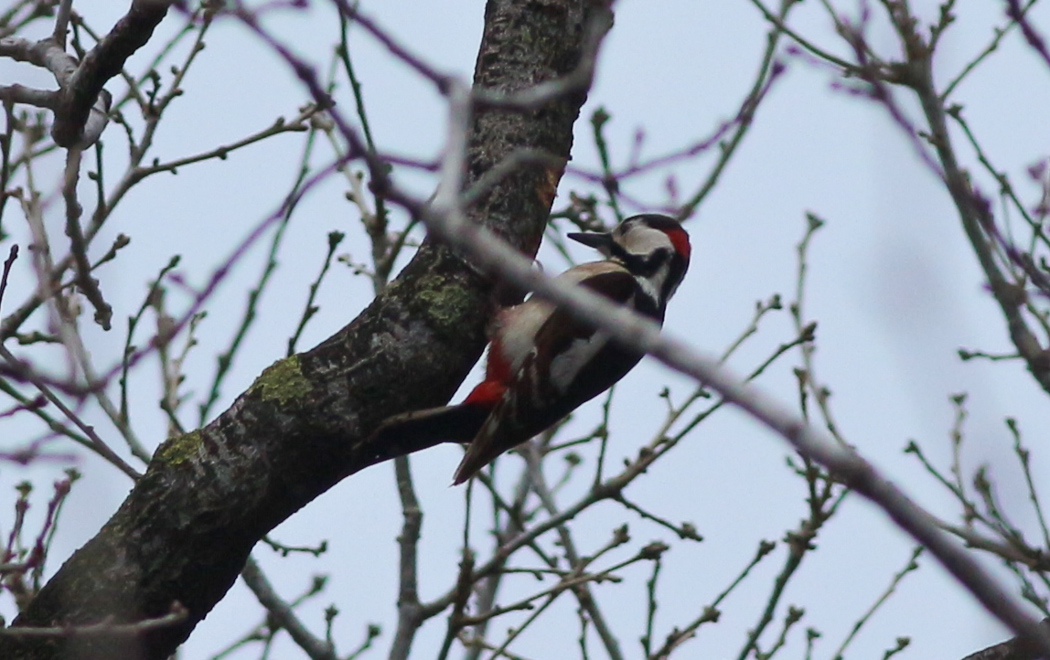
{"x": 893, "y": 285}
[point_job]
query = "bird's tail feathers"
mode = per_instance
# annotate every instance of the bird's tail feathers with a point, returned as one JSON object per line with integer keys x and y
{"x": 424, "y": 428}
{"x": 495, "y": 436}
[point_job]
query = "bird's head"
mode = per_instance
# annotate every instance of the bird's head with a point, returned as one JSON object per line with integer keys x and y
{"x": 651, "y": 246}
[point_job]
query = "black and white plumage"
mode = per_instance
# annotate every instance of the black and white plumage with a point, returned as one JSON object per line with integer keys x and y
{"x": 543, "y": 363}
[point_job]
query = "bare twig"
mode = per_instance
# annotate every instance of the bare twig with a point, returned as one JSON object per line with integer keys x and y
{"x": 582, "y": 591}
{"x": 104, "y": 628}
{"x": 62, "y": 23}
{"x": 314, "y": 647}
{"x": 10, "y": 261}
{"x": 912, "y": 565}
{"x": 409, "y": 615}
{"x": 1018, "y": 13}
{"x": 78, "y": 246}
{"x": 96, "y": 443}
{"x": 846, "y": 464}
{"x": 103, "y": 62}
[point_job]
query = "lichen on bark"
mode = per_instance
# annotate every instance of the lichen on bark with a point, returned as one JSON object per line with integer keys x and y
{"x": 188, "y": 525}
{"x": 282, "y": 381}
{"x": 179, "y": 449}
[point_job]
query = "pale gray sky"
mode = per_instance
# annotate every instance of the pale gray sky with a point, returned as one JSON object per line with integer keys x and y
{"x": 893, "y": 285}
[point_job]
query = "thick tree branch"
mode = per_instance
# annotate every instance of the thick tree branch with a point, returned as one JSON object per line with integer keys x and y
{"x": 1018, "y": 648}
{"x": 103, "y": 62}
{"x": 187, "y": 528}
{"x": 80, "y": 85}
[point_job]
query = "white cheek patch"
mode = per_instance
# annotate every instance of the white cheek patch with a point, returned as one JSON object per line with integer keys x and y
{"x": 567, "y": 365}
{"x": 642, "y": 240}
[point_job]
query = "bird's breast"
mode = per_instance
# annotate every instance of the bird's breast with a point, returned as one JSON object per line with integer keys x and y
{"x": 516, "y": 329}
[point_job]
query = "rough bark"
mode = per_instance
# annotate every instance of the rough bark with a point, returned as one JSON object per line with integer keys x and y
{"x": 101, "y": 63}
{"x": 1018, "y": 648}
{"x": 185, "y": 530}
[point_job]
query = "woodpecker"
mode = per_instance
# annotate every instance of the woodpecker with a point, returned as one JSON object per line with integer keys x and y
{"x": 543, "y": 363}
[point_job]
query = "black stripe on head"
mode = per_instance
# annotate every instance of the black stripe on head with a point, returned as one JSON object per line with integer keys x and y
{"x": 642, "y": 264}
{"x": 675, "y": 275}
{"x": 677, "y": 259}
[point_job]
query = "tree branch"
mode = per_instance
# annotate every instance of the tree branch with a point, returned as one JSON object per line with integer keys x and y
{"x": 103, "y": 62}
{"x": 843, "y": 462}
{"x": 80, "y": 85}
{"x": 186, "y": 529}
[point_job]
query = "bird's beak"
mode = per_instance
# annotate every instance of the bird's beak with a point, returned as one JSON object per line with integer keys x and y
{"x": 600, "y": 241}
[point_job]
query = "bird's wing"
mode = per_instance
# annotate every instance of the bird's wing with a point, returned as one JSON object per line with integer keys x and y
{"x": 570, "y": 364}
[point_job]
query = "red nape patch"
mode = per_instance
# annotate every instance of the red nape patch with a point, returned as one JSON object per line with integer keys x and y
{"x": 487, "y": 393}
{"x": 680, "y": 241}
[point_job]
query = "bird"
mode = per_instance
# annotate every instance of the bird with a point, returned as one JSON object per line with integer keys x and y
{"x": 542, "y": 362}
